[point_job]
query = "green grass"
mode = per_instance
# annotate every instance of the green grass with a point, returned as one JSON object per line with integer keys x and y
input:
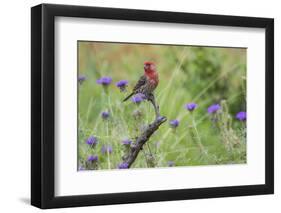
{"x": 203, "y": 75}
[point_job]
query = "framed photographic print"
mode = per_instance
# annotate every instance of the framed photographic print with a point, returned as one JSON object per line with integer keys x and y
{"x": 140, "y": 106}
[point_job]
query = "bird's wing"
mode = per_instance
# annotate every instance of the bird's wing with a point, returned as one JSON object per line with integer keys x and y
{"x": 140, "y": 83}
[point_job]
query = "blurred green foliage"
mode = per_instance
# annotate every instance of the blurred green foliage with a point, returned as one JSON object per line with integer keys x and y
{"x": 204, "y": 75}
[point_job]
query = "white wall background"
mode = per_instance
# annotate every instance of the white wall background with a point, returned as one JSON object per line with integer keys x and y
{"x": 15, "y": 105}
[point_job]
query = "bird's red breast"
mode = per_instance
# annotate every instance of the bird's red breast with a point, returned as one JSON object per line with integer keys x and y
{"x": 152, "y": 77}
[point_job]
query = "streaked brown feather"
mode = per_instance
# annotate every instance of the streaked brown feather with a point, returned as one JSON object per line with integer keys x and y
{"x": 140, "y": 83}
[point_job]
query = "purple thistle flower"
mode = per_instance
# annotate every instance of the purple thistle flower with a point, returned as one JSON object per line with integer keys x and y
{"x": 123, "y": 166}
{"x": 191, "y": 106}
{"x": 213, "y": 108}
{"x": 171, "y": 163}
{"x": 126, "y": 142}
{"x": 91, "y": 140}
{"x": 81, "y": 78}
{"x": 106, "y": 149}
{"x": 105, "y": 81}
{"x": 174, "y": 123}
{"x": 92, "y": 158}
{"x": 81, "y": 168}
{"x": 138, "y": 98}
{"x": 122, "y": 85}
{"x": 241, "y": 116}
{"x": 105, "y": 115}
{"x": 161, "y": 118}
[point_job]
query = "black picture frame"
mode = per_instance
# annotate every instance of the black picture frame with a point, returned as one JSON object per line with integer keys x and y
{"x": 43, "y": 102}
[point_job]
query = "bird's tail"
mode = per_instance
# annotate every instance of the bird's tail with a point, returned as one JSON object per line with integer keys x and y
{"x": 128, "y": 97}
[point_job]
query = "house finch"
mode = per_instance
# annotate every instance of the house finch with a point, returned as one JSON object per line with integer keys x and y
{"x": 147, "y": 84}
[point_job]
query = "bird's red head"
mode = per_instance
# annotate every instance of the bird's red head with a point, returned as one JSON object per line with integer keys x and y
{"x": 149, "y": 67}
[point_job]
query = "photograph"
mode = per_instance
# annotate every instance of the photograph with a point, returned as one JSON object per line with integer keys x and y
{"x": 141, "y": 105}
{"x": 160, "y": 105}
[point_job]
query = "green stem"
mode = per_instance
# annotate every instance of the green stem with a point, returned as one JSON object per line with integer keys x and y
{"x": 107, "y": 151}
{"x": 110, "y": 105}
{"x": 201, "y": 147}
{"x": 149, "y": 149}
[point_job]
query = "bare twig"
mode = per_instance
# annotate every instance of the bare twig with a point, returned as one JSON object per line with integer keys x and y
{"x": 141, "y": 140}
{"x": 135, "y": 148}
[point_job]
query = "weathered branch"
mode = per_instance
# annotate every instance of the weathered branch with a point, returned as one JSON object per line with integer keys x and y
{"x": 141, "y": 140}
